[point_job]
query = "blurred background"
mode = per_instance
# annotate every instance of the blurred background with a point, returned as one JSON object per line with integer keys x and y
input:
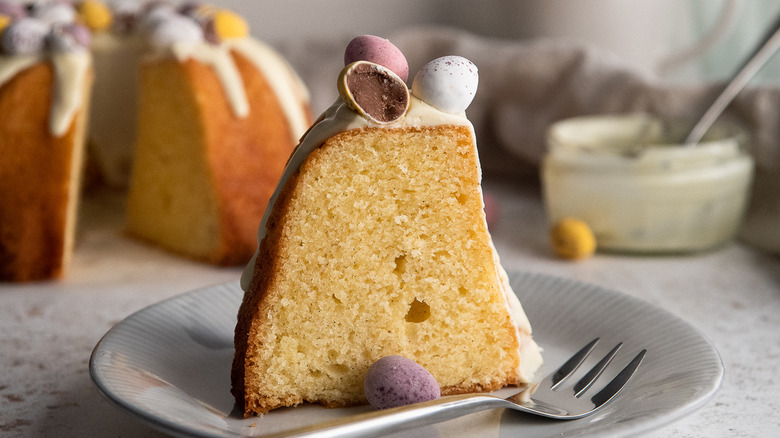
{"x": 677, "y": 40}
{"x": 541, "y": 61}
{"x": 669, "y": 55}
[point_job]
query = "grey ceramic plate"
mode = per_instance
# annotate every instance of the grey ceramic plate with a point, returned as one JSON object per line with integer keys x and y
{"x": 169, "y": 365}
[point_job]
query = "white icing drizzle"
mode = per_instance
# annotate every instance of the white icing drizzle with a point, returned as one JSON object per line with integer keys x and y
{"x": 285, "y": 83}
{"x": 218, "y": 58}
{"x": 11, "y": 65}
{"x": 70, "y": 70}
{"x": 530, "y": 352}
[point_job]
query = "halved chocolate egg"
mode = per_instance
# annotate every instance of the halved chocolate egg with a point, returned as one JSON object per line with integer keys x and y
{"x": 373, "y": 91}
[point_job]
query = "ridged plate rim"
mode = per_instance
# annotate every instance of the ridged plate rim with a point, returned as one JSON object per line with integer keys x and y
{"x": 168, "y": 363}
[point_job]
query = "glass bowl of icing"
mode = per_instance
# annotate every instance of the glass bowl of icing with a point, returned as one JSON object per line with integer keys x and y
{"x": 639, "y": 189}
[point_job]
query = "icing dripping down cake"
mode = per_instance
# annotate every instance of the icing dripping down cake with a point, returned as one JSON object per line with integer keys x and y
{"x": 203, "y": 115}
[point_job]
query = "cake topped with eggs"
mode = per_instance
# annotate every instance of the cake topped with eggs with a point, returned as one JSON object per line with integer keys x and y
{"x": 176, "y": 106}
{"x": 375, "y": 244}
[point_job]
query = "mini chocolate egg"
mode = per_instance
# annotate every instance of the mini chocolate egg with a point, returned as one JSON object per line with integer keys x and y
{"x": 166, "y": 31}
{"x": 95, "y": 15}
{"x": 374, "y": 91}
{"x": 224, "y": 24}
{"x": 190, "y": 8}
{"x": 198, "y": 12}
{"x": 24, "y": 36}
{"x": 394, "y": 381}
{"x": 125, "y": 15}
{"x": 154, "y": 12}
{"x": 448, "y": 83}
{"x": 378, "y": 50}
{"x": 492, "y": 210}
{"x": 123, "y": 7}
{"x": 5, "y": 20}
{"x": 12, "y": 10}
{"x": 68, "y": 38}
{"x": 56, "y": 13}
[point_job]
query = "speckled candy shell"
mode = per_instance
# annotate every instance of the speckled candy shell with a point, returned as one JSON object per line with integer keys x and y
{"x": 379, "y": 51}
{"x": 397, "y": 381}
{"x": 448, "y": 83}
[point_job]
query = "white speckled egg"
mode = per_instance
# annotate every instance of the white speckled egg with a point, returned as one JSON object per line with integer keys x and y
{"x": 24, "y": 36}
{"x": 56, "y": 13}
{"x": 172, "y": 29}
{"x": 448, "y": 83}
{"x": 69, "y": 38}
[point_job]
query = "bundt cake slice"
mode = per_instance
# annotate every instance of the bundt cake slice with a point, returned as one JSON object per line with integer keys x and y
{"x": 216, "y": 124}
{"x": 45, "y": 80}
{"x": 376, "y": 244}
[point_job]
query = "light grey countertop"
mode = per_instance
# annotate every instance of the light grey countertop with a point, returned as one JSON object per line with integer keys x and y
{"x": 48, "y": 330}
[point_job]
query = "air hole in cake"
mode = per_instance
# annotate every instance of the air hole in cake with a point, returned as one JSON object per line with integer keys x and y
{"x": 400, "y": 265}
{"x": 336, "y": 300}
{"x": 419, "y": 311}
{"x": 463, "y": 291}
{"x": 338, "y": 368}
{"x": 462, "y": 198}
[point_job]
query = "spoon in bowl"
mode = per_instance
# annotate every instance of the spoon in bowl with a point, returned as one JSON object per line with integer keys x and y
{"x": 761, "y": 54}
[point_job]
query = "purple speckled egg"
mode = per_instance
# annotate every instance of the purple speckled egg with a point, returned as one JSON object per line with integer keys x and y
{"x": 174, "y": 29}
{"x": 492, "y": 211}
{"x": 25, "y": 36}
{"x": 394, "y": 381}
{"x": 55, "y": 13}
{"x": 12, "y": 10}
{"x": 125, "y": 14}
{"x": 378, "y": 50}
{"x": 69, "y": 38}
{"x": 153, "y": 13}
{"x": 188, "y": 8}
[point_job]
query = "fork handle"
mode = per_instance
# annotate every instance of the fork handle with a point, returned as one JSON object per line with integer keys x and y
{"x": 397, "y": 419}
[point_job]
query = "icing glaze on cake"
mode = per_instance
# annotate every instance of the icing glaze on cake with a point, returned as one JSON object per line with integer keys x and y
{"x": 286, "y": 84}
{"x": 247, "y": 100}
{"x": 26, "y": 41}
{"x": 153, "y": 31}
{"x": 45, "y": 76}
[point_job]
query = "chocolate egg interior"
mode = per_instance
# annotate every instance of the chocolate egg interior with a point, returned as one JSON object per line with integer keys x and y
{"x": 374, "y": 91}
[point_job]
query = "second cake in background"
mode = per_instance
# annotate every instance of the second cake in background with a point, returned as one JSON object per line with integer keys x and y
{"x": 218, "y": 116}
{"x": 45, "y": 81}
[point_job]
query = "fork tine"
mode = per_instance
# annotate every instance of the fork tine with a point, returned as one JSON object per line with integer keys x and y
{"x": 595, "y": 372}
{"x": 614, "y": 386}
{"x": 571, "y": 365}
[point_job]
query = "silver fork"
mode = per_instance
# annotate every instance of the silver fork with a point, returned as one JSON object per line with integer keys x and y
{"x": 549, "y": 400}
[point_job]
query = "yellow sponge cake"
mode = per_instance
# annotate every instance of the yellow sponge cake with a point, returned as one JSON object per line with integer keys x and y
{"x": 375, "y": 244}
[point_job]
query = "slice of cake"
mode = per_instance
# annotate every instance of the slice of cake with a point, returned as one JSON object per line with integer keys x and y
{"x": 375, "y": 244}
{"x": 218, "y": 117}
{"x": 220, "y": 113}
{"x": 45, "y": 79}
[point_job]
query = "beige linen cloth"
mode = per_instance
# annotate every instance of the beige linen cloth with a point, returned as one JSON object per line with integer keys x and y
{"x": 525, "y": 85}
